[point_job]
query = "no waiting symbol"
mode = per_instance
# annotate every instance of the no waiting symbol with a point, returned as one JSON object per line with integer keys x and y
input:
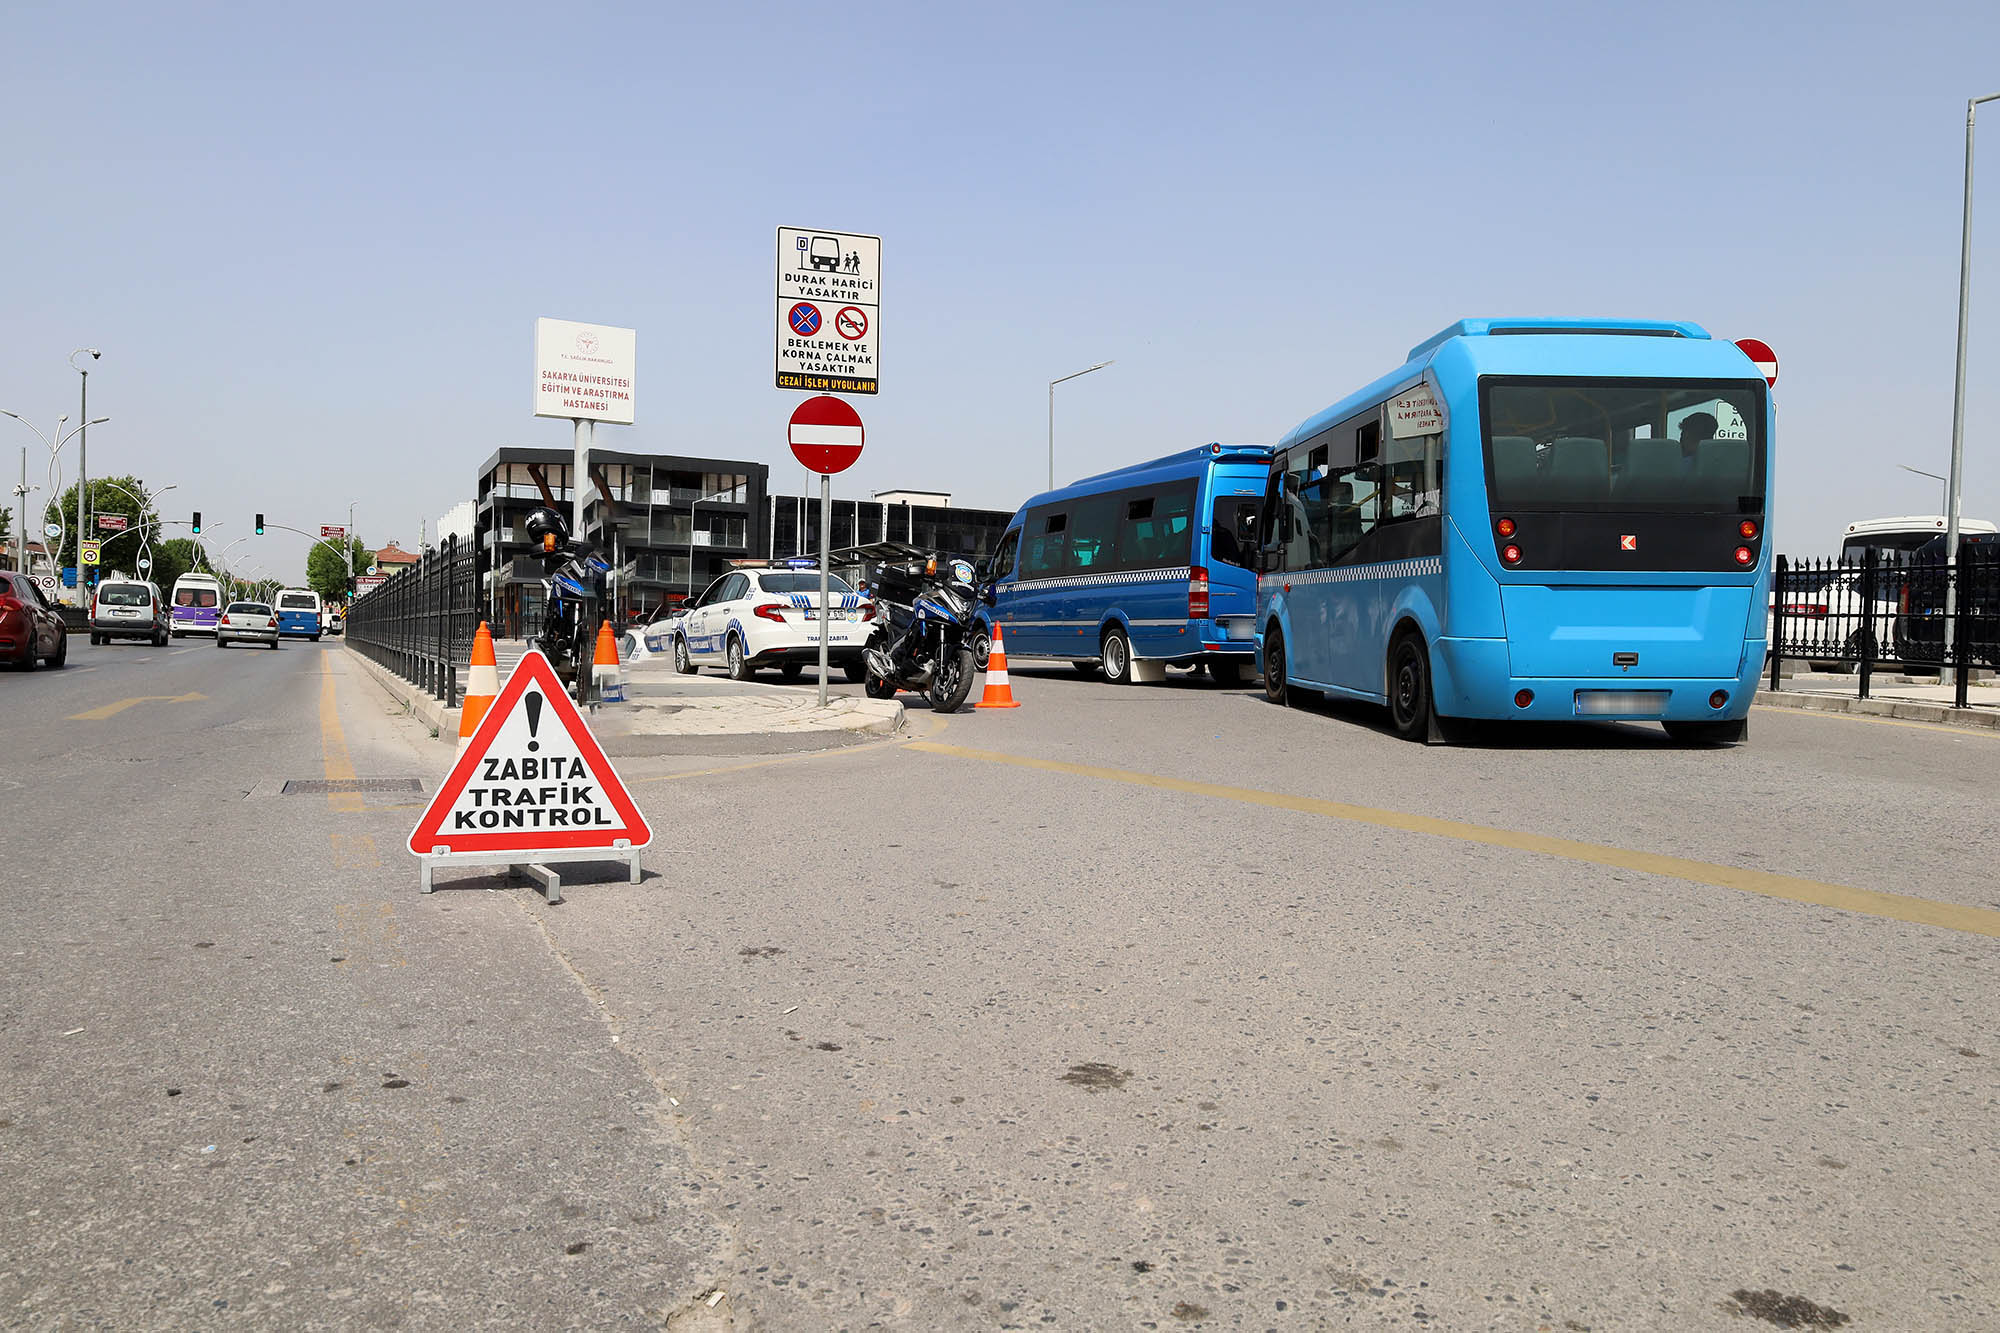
{"x": 804, "y": 319}
{"x": 851, "y": 323}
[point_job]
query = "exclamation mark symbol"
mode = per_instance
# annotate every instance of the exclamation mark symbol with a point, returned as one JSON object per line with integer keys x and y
{"x": 534, "y": 702}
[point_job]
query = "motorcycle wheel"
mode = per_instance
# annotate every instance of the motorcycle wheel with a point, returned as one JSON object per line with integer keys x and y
{"x": 880, "y": 687}
{"x": 952, "y": 681}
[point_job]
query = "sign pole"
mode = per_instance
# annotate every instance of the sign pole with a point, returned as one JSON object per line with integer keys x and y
{"x": 579, "y": 470}
{"x": 825, "y": 582}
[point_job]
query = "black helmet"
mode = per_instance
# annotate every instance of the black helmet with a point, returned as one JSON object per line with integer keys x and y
{"x": 543, "y": 523}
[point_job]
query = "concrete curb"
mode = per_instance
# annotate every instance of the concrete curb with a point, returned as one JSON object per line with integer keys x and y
{"x": 423, "y": 707}
{"x": 740, "y": 724}
{"x": 1903, "y": 709}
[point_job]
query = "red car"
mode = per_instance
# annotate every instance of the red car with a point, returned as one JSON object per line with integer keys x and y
{"x": 30, "y": 626}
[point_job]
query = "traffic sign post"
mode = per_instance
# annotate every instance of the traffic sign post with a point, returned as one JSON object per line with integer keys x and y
{"x": 1766, "y": 360}
{"x": 829, "y": 310}
{"x": 826, "y": 435}
{"x": 531, "y": 788}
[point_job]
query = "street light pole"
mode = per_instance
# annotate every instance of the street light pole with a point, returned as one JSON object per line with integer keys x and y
{"x": 83, "y": 457}
{"x": 21, "y": 517}
{"x": 1955, "y": 492}
{"x": 1052, "y": 416}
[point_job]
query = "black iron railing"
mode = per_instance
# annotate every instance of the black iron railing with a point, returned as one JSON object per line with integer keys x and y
{"x": 420, "y": 623}
{"x": 1886, "y": 612}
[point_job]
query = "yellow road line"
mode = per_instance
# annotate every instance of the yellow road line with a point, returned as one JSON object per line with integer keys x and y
{"x": 1984, "y": 733}
{"x": 113, "y": 710}
{"x": 1891, "y": 906}
{"x": 333, "y": 742}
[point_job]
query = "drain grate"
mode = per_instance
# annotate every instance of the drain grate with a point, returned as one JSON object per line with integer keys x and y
{"x": 345, "y": 786}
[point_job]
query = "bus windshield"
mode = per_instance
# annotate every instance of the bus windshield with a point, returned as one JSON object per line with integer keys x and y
{"x": 1683, "y": 446}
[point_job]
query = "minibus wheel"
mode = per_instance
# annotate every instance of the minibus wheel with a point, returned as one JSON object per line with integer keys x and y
{"x": 1410, "y": 688}
{"x": 1116, "y": 657}
{"x": 1275, "y": 688}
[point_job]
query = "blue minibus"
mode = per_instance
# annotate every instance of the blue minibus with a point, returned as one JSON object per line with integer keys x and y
{"x": 1540, "y": 519}
{"x": 298, "y": 613}
{"x": 1136, "y": 570}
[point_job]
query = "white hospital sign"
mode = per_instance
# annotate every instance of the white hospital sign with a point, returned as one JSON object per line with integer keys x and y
{"x": 584, "y": 372}
{"x": 829, "y": 310}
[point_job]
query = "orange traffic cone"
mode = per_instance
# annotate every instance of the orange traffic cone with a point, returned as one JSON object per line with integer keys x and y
{"x": 610, "y": 683}
{"x": 999, "y": 694}
{"x": 482, "y": 682}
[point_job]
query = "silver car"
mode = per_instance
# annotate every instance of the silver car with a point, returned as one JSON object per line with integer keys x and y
{"x": 247, "y": 622}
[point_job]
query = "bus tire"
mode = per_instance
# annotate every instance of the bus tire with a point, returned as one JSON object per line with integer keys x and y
{"x": 1410, "y": 687}
{"x": 1115, "y": 656}
{"x": 1226, "y": 671}
{"x": 1275, "y": 688}
{"x": 982, "y": 646}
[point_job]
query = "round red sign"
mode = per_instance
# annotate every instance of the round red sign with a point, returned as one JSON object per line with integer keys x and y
{"x": 825, "y": 434}
{"x": 1760, "y": 352}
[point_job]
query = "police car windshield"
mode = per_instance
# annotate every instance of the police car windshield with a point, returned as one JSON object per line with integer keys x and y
{"x": 802, "y": 583}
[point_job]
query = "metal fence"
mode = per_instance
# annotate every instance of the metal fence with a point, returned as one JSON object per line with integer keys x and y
{"x": 1886, "y": 613}
{"x": 420, "y": 623}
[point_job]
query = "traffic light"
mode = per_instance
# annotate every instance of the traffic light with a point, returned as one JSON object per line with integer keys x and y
{"x": 197, "y": 523}
{"x": 260, "y": 525}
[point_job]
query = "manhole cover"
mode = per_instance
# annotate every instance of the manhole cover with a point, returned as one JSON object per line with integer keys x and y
{"x": 344, "y": 786}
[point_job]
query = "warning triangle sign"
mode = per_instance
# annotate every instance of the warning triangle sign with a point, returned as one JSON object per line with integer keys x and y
{"x": 532, "y": 778}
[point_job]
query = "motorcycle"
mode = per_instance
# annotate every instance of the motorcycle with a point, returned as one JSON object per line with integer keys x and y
{"x": 923, "y": 638}
{"x": 576, "y": 594}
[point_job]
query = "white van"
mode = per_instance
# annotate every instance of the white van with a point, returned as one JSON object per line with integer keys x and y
{"x": 197, "y": 604}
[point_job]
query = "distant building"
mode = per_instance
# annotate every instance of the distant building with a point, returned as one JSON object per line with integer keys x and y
{"x": 935, "y": 499}
{"x": 393, "y": 558}
{"x": 459, "y": 521}
{"x": 681, "y": 521}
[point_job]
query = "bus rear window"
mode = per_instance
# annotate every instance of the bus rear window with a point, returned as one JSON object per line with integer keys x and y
{"x": 1233, "y": 537}
{"x": 297, "y": 602}
{"x": 1689, "y": 446}
{"x": 195, "y": 597}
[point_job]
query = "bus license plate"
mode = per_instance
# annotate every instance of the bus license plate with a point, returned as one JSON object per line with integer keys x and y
{"x": 1640, "y": 703}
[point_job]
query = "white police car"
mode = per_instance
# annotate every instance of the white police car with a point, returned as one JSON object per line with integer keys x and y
{"x": 754, "y": 618}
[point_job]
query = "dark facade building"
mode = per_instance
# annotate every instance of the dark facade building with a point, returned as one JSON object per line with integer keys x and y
{"x": 683, "y": 521}
{"x": 794, "y": 525}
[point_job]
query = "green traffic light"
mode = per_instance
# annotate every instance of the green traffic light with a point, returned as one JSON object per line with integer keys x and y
{"x": 260, "y": 525}
{"x": 197, "y": 522}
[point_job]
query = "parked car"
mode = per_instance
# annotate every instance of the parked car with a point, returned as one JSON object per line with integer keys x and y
{"x": 336, "y": 623}
{"x": 247, "y": 622}
{"x": 129, "y": 609}
{"x": 753, "y": 618}
{"x": 31, "y": 628}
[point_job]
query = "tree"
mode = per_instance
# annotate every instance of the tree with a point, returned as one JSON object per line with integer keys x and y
{"x": 108, "y": 495}
{"x": 326, "y": 568}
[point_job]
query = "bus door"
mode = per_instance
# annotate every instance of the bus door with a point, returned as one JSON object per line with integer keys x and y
{"x": 1230, "y": 553}
{"x": 1035, "y": 603}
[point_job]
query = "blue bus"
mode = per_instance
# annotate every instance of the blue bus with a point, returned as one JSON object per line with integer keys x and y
{"x": 1136, "y": 570}
{"x": 298, "y": 613}
{"x": 1543, "y": 519}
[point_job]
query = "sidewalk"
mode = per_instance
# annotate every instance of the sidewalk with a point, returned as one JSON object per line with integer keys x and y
{"x": 1911, "y": 698}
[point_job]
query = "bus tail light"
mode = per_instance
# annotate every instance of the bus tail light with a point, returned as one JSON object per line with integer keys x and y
{"x": 771, "y": 611}
{"x": 1197, "y": 593}
{"x": 1745, "y": 556}
{"x": 1747, "y": 529}
{"x": 1522, "y": 698}
{"x": 1511, "y": 554}
{"x": 1505, "y": 527}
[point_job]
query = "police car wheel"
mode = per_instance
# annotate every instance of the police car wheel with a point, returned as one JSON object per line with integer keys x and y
{"x": 682, "y": 662}
{"x": 739, "y": 666}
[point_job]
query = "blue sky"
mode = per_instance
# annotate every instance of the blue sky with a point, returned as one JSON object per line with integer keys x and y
{"x": 312, "y": 245}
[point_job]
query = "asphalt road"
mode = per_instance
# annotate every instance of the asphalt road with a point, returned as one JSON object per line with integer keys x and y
{"x": 1153, "y": 1007}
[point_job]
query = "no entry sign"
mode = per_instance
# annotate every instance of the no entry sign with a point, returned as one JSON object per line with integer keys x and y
{"x": 825, "y": 434}
{"x": 1760, "y": 352}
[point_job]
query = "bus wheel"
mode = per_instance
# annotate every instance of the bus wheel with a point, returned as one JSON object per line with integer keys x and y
{"x": 1117, "y": 657}
{"x": 982, "y": 647}
{"x": 1410, "y": 688}
{"x": 1274, "y": 667}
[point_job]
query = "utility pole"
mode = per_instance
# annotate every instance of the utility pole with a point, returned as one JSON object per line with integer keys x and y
{"x": 1955, "y": 486}
{"x": 21, "y": 516}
